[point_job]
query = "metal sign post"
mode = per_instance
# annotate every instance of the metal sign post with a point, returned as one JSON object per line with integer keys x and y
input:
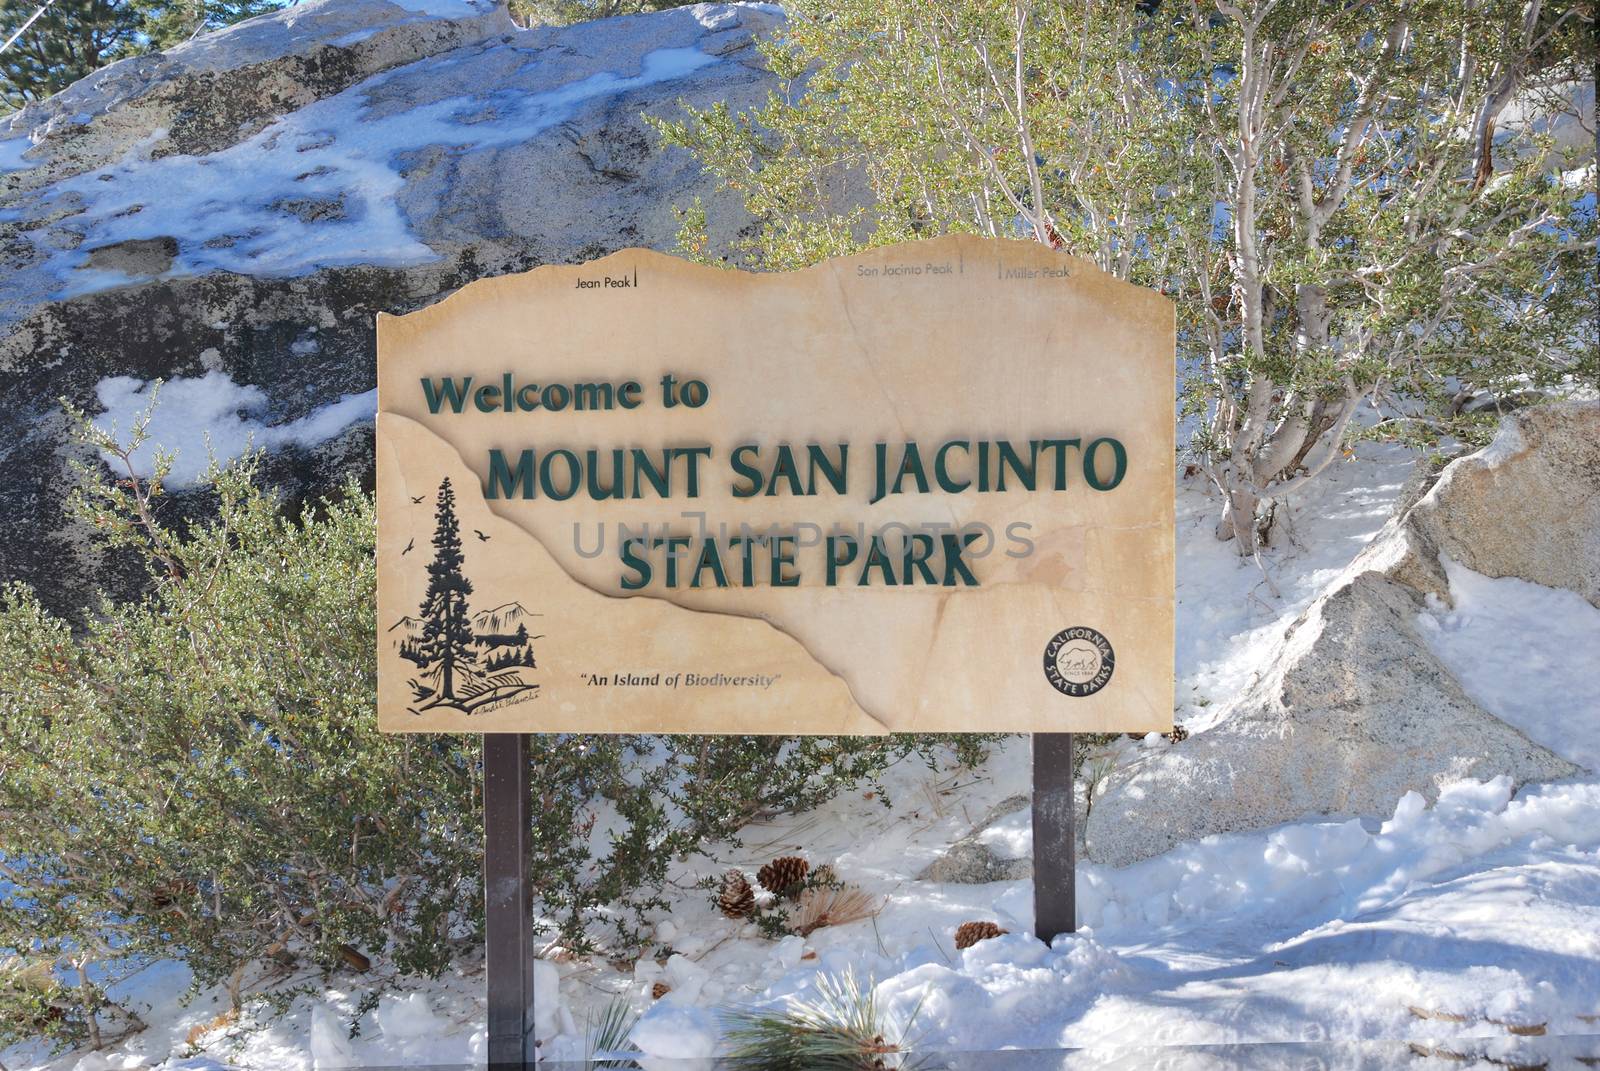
{"x": 1055, "y": 845}
{"x": 508, "y": 898}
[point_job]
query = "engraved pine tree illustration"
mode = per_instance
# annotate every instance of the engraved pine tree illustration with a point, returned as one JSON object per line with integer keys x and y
{"x": 468, "y": 661}
{"x": 446, "y": 620}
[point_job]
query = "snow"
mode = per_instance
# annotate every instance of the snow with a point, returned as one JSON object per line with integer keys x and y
{"x": 1483, "y": 908}
{"x": 1228, "y": 618}
{"x": 209, "y": 416}
{"x": 318, "y": 187}
{"x": 678, "y": 1032}
{"x": 446, "y": 9}
{"x": 1501, "y": 636}
{"x": 330, "y": 1041}
{"x": 11, "y": 150}
{"x": 1010, "y": 836}
{"x": 1445, "y": 926}
{"x": 718, "y": 16}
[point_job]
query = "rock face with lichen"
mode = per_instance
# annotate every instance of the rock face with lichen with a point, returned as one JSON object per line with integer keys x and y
{"x": 1354, "y": 709}
{"x": 234, "y": 213}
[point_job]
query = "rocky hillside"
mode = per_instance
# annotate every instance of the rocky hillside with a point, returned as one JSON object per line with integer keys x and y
{"x": 231, "y": 215}
{"x": 1356, "y": 704}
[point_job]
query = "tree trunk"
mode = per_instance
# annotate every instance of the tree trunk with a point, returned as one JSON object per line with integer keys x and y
{"x": 90, "y": 1012}
{"x": 1238, "y": 521}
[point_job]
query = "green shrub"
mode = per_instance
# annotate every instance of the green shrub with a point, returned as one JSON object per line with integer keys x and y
{"x": 197, "y": 774}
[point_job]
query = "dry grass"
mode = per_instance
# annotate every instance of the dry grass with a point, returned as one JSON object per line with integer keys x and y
{"x": 200, "y": 1030}
{"x": 19, "y": 973}
{"x": 821, "y": 906}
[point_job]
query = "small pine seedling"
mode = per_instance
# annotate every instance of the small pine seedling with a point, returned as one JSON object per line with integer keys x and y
{"x": 608, "y": 1037}
{"x": 840, "y": 1029}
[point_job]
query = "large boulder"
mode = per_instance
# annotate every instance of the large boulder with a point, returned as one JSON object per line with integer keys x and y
{"x": 217, "y": 90}
{"x": 1353, "y": 709}
{"x": 1528, "y": 507}
{"x": 233, "y": 213}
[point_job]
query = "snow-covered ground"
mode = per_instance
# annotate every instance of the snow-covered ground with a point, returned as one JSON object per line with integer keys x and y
{"x": 1467, "y": 928}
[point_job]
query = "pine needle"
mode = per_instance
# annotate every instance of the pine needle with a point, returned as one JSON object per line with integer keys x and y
{"x": 823, "y": 905}
{"x": 608, "y": 1038}
{"x": 840, "y": 1029}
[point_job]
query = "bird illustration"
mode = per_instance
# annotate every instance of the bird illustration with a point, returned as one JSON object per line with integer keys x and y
{"x": 409, "y": 546}
{"x": 417, "y": 500}
{"x": 480, "y": 535}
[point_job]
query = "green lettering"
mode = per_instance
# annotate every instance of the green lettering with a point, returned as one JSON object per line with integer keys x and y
{"x": 547, "y": 482}
{"x": 817, "y": 458}
{"x": 784, "y": 469}
{"x": 503, "y": 483}
{"x": 640, "y": 566}
{"x": 446, "y": 391}
{"x": 835, "y": 562}
{"x": 919, "y": 548}
{"x": 954, "y": 564}
{"x": 709, "y": 558}
{"x": 879, "y": 559}
{"x": 780, "y": 558}
{"x": 749, "y": 472}
{"x": 1119, "y": 468}
{"x": 1009, "y": 458}
{"x": 941, "y": 471}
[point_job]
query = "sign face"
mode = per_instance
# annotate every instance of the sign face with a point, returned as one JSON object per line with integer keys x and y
{"x": 925, "y": 488}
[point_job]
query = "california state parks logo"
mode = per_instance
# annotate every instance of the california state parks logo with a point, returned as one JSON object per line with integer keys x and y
{"x": 1078, "y": 661}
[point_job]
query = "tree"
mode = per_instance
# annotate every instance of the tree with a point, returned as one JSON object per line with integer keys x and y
{"x": 73, "y": 38}
{"x": 447, "y": 625}
{"x": 171, "y": 22}
{"x": 1324, "y": 190}
{"x": 1382, "y": 244}
{"x": 70, "y": 39}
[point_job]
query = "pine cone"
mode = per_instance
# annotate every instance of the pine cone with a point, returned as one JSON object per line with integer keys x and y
{"x": 737, "y": 900}
{"x": 784, "y": 876}
{"x": 1178, "y": 735}
{"x": 659, "y": 990}
{"x": 970, "y": 933}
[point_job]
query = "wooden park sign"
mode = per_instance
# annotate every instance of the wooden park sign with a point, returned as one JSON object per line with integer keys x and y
{"x": 926, "y": 488}
{"x": 644, "y": 495}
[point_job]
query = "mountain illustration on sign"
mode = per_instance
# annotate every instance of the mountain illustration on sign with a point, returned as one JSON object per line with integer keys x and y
{"x": 467, "y": 660}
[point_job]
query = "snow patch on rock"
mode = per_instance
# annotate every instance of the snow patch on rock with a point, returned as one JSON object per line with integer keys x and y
{"x": 1010, "y": 836}
{"x": 1498, "y": 635}
{"x": 210, "y": 416}
{"x": 317, "y": 188}
{"x": 203, "y": 210}
{"x": 446, "y": 9}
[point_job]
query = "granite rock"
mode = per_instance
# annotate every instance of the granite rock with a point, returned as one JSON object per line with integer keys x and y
{"x": 245, "y": 204}
{"x": 1352, "y": 709}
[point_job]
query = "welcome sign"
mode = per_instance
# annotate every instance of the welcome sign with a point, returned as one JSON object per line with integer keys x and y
{"x": 926, "y": 488}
